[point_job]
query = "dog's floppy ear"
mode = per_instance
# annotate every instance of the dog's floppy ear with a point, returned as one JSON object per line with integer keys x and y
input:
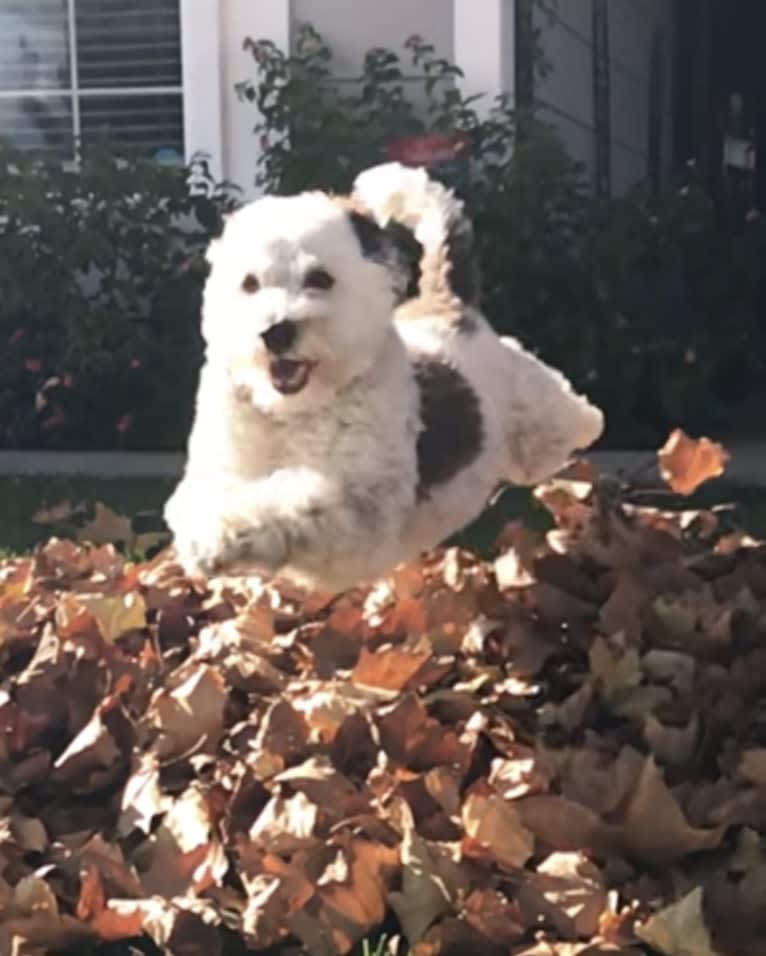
{"x": 394, "y": 246}
{"x": 371, "y": 237}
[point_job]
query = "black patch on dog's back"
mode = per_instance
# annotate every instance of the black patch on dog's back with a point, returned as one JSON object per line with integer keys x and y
{"x": 453, "y": 430}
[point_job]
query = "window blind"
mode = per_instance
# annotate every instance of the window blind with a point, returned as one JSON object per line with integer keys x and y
{"x": 73, "y": 69}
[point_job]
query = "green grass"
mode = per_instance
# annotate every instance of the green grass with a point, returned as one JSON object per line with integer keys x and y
{"x": 22, "y": 497}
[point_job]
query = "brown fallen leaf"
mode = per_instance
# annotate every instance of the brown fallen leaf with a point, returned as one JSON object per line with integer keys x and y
{"x": 558, "y": 823}
{"x": 424, "y": 894}
{"x": 93, "y": 749}
{"x": 653, "y": 828}
{"x": 494, "y": 917}
{"x": 568, "y": 893}
{"x": 679, "y": 929}
{"x": 672, "y": 746}
{"x": 190, "y": 715}
{"x": 413, "y": 738}
{"x": 350, "y": 898}
{"x": 286, "y": 824}
{"x": 32, "y": 921}
{"x": 752, "y": 766}
{"x": 686, "y": 463}
{"x": 106, "y": 527}
{"x": 56, "y": 513}
{"x": 142, "y": 798}
{"x": 116, "y": 614}
{"x": 495, "y": 825}
{"x": 390, "y": 668}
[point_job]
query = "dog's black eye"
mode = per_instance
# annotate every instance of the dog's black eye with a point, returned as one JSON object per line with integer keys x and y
{"x": 318, "y": 279}
{"x": 250, "y": 284}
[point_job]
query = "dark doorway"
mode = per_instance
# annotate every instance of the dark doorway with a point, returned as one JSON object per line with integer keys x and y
{"x": 720, "y": 101}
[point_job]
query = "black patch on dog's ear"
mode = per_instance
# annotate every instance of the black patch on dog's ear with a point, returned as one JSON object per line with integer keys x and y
{"x": 368, "y": 232}
{"x": 393, "y": 245}
{"x": 452, "y": 434}
{"x": 409, "y": 255}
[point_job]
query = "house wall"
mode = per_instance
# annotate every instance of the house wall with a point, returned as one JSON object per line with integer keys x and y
{"x": 566, "y": 94}
{"x": 352, "y": 31}
{"x": 476, "y": 34}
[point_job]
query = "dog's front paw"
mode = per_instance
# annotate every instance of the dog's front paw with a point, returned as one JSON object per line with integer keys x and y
{"x": 211, "y": 548}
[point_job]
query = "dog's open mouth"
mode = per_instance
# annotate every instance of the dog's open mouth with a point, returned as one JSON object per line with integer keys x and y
{"x": 289, "y": 376}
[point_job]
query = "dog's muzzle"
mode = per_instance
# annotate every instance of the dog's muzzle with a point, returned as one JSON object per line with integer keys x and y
{"x": 288, "y": 375}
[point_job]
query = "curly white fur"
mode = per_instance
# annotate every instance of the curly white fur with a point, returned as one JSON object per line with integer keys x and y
{"x": 543, "y": 419}
{"x": 321, "y": 485}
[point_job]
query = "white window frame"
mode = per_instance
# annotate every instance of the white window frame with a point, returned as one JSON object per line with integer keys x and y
{"x": 216, "y": 124}
{"x": 201, "y": 81}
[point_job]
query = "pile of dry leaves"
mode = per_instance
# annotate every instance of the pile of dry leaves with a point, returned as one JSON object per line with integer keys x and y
{"x": 563, "y": 752}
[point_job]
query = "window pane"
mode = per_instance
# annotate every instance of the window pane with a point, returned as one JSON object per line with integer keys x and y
{"x": 151, "y": 124}
{"x": 38, "y": 122}
{"x": 128, "y": 43}
{"x": 34, "y": 45}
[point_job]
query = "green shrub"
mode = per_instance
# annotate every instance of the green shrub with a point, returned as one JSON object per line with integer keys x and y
{"x": 100, "y": 276}
{"x": 640, "y": 300}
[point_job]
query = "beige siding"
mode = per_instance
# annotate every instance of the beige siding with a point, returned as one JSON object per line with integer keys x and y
{"x": 351, "y": 27}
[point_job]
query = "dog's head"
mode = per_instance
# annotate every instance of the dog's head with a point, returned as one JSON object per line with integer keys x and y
{"x": 299, "y": 299}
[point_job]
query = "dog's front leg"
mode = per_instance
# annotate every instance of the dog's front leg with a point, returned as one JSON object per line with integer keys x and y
{"x": 312, "y": 522}
{"x": 216, "y": 525}
{"x": 294, "y": 517}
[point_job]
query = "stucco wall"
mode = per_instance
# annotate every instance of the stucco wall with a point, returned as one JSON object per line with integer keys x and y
{"x": 351, "y": 27}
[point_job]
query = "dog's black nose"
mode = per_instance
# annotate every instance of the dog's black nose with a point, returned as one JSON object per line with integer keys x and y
{"x": 280, "y": 337}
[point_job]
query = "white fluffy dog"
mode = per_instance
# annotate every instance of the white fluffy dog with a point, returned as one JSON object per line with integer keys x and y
{"x": 342, "y": 427}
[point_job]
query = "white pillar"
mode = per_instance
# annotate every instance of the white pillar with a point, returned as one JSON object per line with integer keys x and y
{"x": 485, "y": 48}
{"x": 259, "y": 20}
{"x": 202, "y": 81}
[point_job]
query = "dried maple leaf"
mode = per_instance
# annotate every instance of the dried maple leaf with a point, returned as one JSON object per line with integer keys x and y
{"x": 93, "y": 749}
{"x": 424, "y": 896}
{"x": 686, "y": 463}
{"x": 752, "y": 766}
{"x": 512, "y": 572}
{"x": 116, "y": 614}
{"x": 417, "y": 741}
{"x": 350, "y": 898}
{"x": 434, "y": 877}
{"x": 190, "y": 715}
{"x": 286, "y": 824}
{"x": 33, "y": 922}
{"x": 184, "y": 854}
{"x": 142, "y": 799}
{"x": 318, "y": 780}
{"x": 282, "y": 739}
{"x": 494, "y": 917}
{"x": 679, "y": 929}
{"x": 653, "y": 828}
{"x": 55, "y": 514}
{"x": 568, "y": 893}
{"x": 494, "y": 824}
{"x": 672, "y": 746}
{"x": 106, "y": 527}
{"x": 390, "y": 668}
{"x": 558, "y": 823}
